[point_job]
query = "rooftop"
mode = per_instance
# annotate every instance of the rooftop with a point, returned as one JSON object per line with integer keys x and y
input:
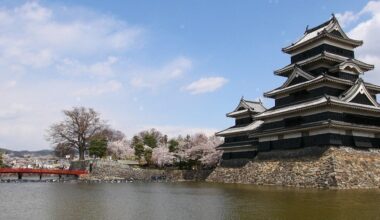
{"x": 330, "y": 28}
{"x": 240, "y": 129}
{"x": 247, "y": 106}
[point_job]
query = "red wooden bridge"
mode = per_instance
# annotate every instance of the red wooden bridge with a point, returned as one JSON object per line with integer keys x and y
{"x": 40, "y": 172}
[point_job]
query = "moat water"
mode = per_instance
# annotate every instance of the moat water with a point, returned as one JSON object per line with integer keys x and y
{"x": 182, "y": 201}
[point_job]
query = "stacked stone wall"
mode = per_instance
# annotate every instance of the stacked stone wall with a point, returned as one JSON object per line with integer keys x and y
{"x": 112, "y": 170}
{"x": 329, "y": 167}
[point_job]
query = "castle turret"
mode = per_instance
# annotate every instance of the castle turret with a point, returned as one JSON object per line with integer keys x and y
{"x": 237, "y": 144}
{"x": 324, "y": 100}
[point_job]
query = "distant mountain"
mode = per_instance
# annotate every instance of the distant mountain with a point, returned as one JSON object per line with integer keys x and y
{"x": 23, "y": 153}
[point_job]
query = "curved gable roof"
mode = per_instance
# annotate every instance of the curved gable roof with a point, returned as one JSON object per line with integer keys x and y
{"x": 325, "y": 56}
{"x": 356, "y": 90}
{"x": 297, "y": 72}
{"x": 246, "y": 106}
{"x": 330, "y": 28}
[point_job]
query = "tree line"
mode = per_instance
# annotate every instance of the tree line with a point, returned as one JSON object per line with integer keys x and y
{"x": 1, "y": 160}
{"x": 82, "y": 131}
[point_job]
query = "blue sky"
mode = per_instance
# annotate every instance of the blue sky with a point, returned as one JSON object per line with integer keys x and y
{"x": 178, "y": 66}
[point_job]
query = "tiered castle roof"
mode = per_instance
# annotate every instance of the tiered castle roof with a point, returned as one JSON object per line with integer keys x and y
{"x": 331, "y": 58}
{"x": 245, "y": 109}
{"x": 324, "y": 101}
{"x": 236, "y": 140}
{"x": 329, "y": 30}
{"x": 323, "y": 94}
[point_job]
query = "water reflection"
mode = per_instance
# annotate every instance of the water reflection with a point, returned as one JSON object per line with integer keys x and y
{"x": 182, "y": 201}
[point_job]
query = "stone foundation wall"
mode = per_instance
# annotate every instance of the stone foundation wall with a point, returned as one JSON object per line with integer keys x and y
{"x": 112, "y": 170}
{"x": 329, "y": 167}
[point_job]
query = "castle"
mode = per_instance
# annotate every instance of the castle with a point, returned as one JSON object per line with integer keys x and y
{"x": 323, "y": 101}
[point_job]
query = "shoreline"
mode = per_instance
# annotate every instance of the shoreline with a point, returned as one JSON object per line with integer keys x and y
{"x": 322, "y": 168}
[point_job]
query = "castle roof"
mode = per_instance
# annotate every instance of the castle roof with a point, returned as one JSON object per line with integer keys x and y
{"x": 247, "y": 106}
{"x": 321, "y": 101}
{"x": 324, "y": 78}
{"x": 297, "y": 72}
{"x": 240, "y": 129}
{"x": 355, "y": 90}
{"x": 323, "y": 56}
{"x": 316, "y": 125}
{"x": 329, "y": 29}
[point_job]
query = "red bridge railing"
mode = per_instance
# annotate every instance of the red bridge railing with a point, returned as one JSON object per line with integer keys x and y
{"x": 43, "y": 171}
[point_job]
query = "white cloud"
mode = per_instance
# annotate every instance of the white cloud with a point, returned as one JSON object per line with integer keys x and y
{"x": 56, "y": 57}
{"x": 153, "y": 78}
{"x": 100, "y": 89}
{"x": 74, "y": 67}
{"x": 48, "y": 57}
{"x": 12, "y": 111}
{"x": 33, "y": 12}
{"x": 347, "y": 18}
{"x": 205, "y": 85}
{"x": 39, "y": 37}
{"x": 4, "y": 87}
{"x": 368, "y": 30}
{"x": 28, "y": 110}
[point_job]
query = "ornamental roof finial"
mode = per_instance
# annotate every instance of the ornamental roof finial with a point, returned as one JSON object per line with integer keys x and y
{"x": 307, "y": 28}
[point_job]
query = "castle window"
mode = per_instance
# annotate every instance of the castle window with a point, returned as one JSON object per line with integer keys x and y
{"x": 243, "y": 121}
{"x": 289, "y": 122}
{"x": 349, "y": 132}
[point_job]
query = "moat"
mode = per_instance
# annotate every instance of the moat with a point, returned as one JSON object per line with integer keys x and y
{"x": 182, "y": 201}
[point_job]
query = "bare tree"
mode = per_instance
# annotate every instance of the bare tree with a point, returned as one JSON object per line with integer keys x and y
{"x": 62, "y": 150}
{"x": 111, "y": 134}
{"x": 79, "y": 126}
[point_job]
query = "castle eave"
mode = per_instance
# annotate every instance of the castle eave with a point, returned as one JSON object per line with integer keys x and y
{"x": 325, "y": 100}
{"x": 351, "y": 42}
{"x": 324, "y": 55}
{"x": 238, "y": 148}
{"x": 315, "y": 126}
{"x": 319, "y": 79}
{"x": 241, "y": 129}
{"x": 323, "y": 31}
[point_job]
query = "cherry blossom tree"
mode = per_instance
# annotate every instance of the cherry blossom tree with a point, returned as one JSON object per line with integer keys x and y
{"x": 161, "y": 156}
{"x": 203, "y": 150}
{"x": 121, "y": 149}
{"x": 198, "y": 150}
{"x": 154, "y": 148}
{"x": 211, "y": 156}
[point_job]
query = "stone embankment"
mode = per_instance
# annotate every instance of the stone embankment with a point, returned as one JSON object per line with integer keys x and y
{"x": 329, "y": 167}
{"x": 109, "y": 171}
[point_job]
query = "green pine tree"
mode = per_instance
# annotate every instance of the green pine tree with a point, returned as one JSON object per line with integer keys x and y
{"x": 148, "y": 155}
{"x": 1, "y": 160}
{"x": 98, "y": 147}
{"x": 173, "y": 145}
{"x": 139, "y": 150}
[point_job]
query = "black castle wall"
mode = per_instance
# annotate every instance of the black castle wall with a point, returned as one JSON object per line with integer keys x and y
{"x": 324, "y": 116}
{"x": 320, "y": 140}
{"x": 305, "y": 95}
{"x": 342, "y": 75}
{"x": 319, "y": 49}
